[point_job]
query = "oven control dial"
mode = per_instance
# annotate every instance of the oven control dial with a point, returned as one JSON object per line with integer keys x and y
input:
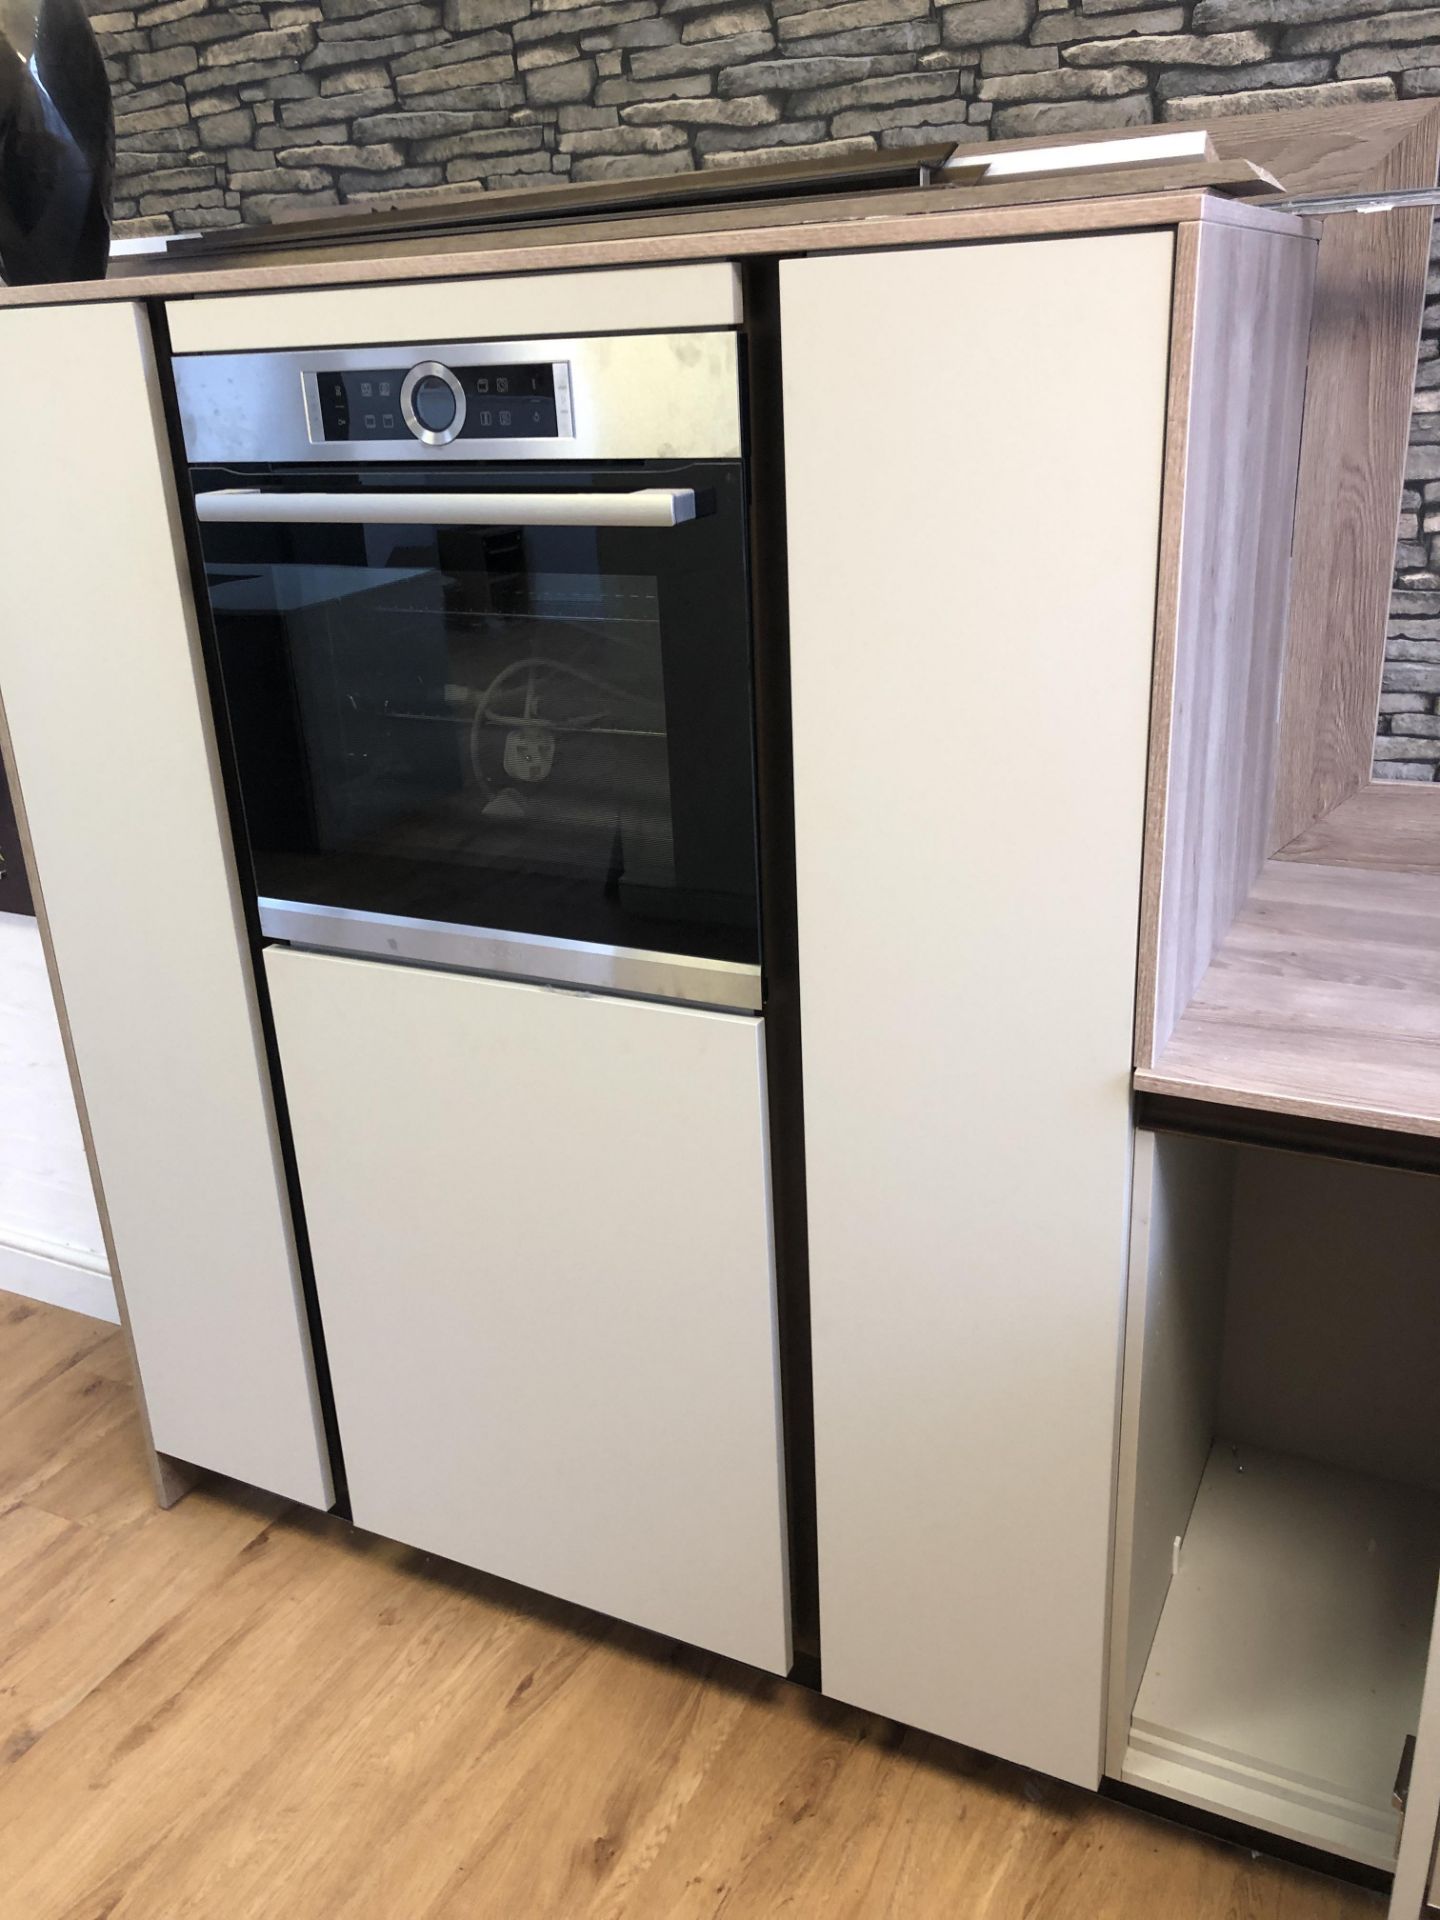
{"x": 432, "y": 403}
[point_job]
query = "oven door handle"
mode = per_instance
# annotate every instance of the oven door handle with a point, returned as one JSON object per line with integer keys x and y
{"x": 647, "y": 507}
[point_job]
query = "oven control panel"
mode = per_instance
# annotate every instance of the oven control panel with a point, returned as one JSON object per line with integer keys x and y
{"x": 485, "y": 402}
{"x": 436, "y": 403}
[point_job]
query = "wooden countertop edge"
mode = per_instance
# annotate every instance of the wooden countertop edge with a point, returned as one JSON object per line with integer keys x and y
{"x": 1339, "y": 1112}
{"x": 885, "y": 223}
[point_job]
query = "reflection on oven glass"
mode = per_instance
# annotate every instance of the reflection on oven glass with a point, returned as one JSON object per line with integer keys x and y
{"x": 525, "y": 729}
{"x": 503, "y": 720}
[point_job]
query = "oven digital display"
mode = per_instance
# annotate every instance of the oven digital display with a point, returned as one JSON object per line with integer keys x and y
{"x": 501, "y": 403}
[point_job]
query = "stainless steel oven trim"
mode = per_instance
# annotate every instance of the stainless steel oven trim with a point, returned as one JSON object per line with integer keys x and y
{"x": 647, "y": 396}
{"x": 654, "y": 507}
{"x": 685, "y": 979}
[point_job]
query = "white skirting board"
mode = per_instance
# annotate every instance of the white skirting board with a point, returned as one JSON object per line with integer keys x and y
{"x": 1287, "y": 1668}
{"x": 60, "y": 1276}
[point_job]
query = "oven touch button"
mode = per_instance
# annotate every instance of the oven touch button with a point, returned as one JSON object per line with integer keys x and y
{"x": 432, "y": 403}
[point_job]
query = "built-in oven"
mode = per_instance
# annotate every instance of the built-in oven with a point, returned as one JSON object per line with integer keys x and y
{"x": 482, "y": 640}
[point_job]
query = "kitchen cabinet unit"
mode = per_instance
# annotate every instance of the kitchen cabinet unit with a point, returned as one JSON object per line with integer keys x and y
{"x": 541, "y": 1232}
{"x": 1278, "y": 1541}
{"x": 1075, "y": 501}
{"x": 1312, "y": 1019}
{"x": 134, "y": 874}
{"x": 1277, "y": 1538}
{"x": 972, "y": 722}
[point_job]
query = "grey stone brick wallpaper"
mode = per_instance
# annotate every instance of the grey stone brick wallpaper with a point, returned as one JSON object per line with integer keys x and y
{"x": 238, "y": 112}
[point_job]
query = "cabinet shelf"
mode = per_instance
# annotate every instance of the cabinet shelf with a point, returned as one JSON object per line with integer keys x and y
{"x": 1286, "y": 1670}
{"x": 1323, "y": 999}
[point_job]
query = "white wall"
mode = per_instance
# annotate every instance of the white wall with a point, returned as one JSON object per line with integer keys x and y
{"x": 50, "y": 1243}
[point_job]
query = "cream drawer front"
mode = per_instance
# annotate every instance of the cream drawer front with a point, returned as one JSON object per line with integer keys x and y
{"x": 482, "y": 307}
{"x": 541, "y": 1235}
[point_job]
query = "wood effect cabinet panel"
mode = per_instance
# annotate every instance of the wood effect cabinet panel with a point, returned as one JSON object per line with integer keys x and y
{"x": 974, "y": 449}
{"x": 541, "y": 1232}
{"x": 1239, "y": 354}
{"x": 109, "y": 726}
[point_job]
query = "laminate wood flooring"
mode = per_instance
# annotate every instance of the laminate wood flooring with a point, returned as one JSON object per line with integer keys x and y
{"x": 234, "y": 1711}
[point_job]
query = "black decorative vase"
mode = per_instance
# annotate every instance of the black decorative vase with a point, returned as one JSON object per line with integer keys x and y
{"x": 57, "y": 144}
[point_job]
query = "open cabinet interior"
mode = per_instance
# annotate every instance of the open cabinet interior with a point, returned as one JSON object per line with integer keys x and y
{"x": 1278, "y": 1533}
{"x": 1291, "y": 904}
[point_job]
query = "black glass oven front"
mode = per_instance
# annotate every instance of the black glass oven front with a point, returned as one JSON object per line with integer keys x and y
{"x": 538, "y": 731}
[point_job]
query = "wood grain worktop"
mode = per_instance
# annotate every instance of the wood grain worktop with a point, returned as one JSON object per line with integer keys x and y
{"x": 1126, "y": 198}
{"x": 1304, "y": 150}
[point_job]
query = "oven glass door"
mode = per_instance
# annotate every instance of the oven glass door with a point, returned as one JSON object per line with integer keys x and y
{"x": 496, "y": 718}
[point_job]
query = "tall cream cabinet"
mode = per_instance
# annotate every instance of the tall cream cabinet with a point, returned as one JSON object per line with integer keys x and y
{"x": 970, "y": 751}
{"x": 570, "y": 1266}
{"x": 109, "y": 727}
{"x": 981, "y": 479}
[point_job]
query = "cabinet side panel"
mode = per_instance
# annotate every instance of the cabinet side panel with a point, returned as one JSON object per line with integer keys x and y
{"x": 541, "y": 1234}
{"x": 113, "y": 747}
{"x": 1241, "y": 350}
{"x": 1180, "y": 1244}
{"x": 971, "y": 690}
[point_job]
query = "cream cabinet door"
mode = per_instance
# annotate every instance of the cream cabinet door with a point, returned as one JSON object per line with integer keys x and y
{"x": 974, "y": 440}
{"x": 109, "y": 722}
{"x": 541, "y": 1232}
